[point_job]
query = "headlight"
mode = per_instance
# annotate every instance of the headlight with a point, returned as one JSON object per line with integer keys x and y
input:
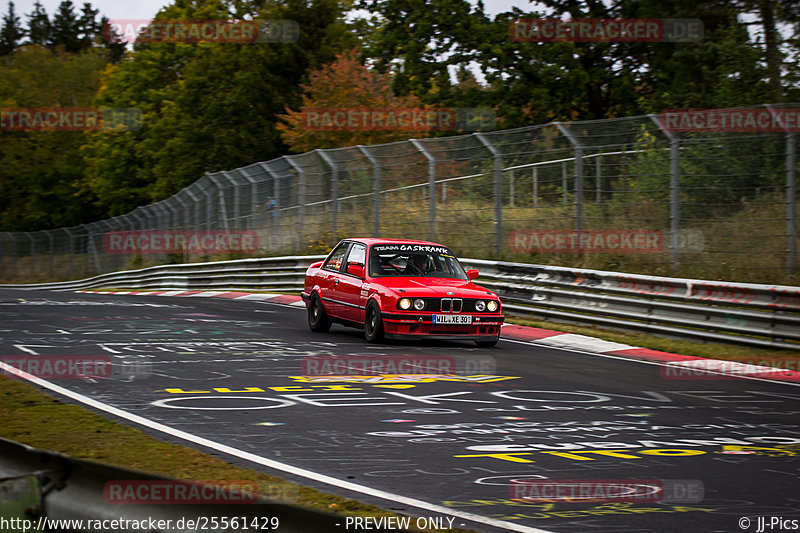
{"x": 404, "y": 303}
{"x": 492, "y": 306}
{"x": 419, "y": 304}
{"x": 480, "y": 305}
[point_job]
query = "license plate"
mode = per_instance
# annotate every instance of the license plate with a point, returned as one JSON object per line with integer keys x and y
{"x": 452, "y": 319}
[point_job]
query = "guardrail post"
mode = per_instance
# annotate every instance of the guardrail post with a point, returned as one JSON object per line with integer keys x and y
{"x": 674, "y": 195}
{"x": 334, "y": 189}
{"x": 376, "y": 190}
{"x": 578, "y": 174}
{"x": 497, "y": 159}
{"x": 431, "y": 187}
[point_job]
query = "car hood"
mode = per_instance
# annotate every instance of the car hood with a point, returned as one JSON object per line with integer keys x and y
{"x": 432, "y": 287}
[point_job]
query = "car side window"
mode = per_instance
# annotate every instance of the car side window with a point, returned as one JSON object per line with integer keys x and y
{"x": 336, "y": 258}
{"x": 357, "y": 255}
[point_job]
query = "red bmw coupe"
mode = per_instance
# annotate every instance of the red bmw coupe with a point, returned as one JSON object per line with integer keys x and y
{"x": 398, "y": 288}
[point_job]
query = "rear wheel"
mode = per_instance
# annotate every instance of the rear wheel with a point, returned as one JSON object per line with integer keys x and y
{"x": 486, "y": 344}
{"x": 318, "y": 320}
{"x": 373, "y": 323}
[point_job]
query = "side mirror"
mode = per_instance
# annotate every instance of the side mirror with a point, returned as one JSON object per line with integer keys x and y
{"x": 356, "y": 270}
{"x": 472, "y": 273}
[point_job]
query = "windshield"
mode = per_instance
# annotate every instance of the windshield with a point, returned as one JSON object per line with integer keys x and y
{"x": 414, "y": 260}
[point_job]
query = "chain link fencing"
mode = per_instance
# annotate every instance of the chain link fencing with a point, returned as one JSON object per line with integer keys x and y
{"x": 626, "y": 195}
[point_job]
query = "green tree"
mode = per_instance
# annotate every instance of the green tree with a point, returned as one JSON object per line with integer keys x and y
{"x": 66, "y": 28}
{"x": 11, "y": 33}
{"x": 206, "y": 106}
{"x": 41, "y": 172}
{"x": 39, "y": 29}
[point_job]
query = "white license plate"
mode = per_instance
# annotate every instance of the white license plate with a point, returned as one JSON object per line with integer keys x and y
{"x": 452, "y": 319}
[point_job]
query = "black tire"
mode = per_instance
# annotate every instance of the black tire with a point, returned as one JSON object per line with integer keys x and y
{"x": 373, "y": 323}
{"x": 487, "y": 344}
{"x": 318, "y": 320}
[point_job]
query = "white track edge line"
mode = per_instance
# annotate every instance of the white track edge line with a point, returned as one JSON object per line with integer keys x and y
{"x": 270, "y": 463}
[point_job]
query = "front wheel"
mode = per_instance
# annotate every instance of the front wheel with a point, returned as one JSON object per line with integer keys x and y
{"x": 486, "y": 344}
{"x": 318, "y": 320}
{"x": 373, "y": 323}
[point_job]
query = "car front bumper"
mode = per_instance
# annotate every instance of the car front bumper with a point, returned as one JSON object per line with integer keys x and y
{"x": 483, "y": 327}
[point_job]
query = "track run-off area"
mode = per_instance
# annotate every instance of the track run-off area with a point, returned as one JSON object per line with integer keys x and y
{"x": 485, "y": 439}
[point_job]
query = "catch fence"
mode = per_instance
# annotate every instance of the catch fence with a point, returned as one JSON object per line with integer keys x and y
{"x": 622, "y": 194}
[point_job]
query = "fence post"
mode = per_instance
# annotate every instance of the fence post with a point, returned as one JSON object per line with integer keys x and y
{"x": 511, "y": 188}
{"x": 301, "y": 199}
{"x": 431, "y": 188}
{"x": 334, "y": 188}
{"x": 674, "y": 194}
{"x": 211, "y": 203}
{"x": 376, "y": 190}
{"x": 598, "y": 177}
{"x": 237, "y": 210}
{"x": 33, "y": 250}
{"x": 497, "y": 159}
{"x": 275, "y": 219}
{"x": 70, "y": 249}
{"x": 221, "y": 200}
{"x": 578, "y": 174}
{"x": 52, "y": 252}
{"x": 791, "y": 203}
{"x": 535, "y": 176}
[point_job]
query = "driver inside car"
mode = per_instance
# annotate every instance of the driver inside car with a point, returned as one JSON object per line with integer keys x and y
{"x": 419, "y": 264}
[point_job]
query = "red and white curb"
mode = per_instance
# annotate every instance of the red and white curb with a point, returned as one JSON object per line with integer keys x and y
{"x": 676, "y": 366}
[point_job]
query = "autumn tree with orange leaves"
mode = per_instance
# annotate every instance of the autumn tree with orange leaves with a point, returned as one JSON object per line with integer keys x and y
{"x": 344, "y": 84}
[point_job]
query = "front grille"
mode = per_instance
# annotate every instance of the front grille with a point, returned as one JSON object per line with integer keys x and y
{"x": 451, "y": 305}
{"x": 434, "y": 305}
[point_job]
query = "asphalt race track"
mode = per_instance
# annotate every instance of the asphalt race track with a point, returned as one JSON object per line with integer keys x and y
{"x": 474, "y": 436}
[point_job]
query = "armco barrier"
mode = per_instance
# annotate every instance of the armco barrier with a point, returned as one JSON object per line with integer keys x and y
{"x": 38, "y": 484}
{"x": 766, "y": 316}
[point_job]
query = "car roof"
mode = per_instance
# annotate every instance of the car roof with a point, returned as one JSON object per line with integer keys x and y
{"x": 372, "y": 240}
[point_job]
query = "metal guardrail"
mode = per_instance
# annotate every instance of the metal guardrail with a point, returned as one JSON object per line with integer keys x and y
{"x": 37, "y": 484}
{"x": 765, "y": 316}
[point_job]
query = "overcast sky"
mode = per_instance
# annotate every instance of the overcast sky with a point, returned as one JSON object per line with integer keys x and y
{"x": 146, "y": 9}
